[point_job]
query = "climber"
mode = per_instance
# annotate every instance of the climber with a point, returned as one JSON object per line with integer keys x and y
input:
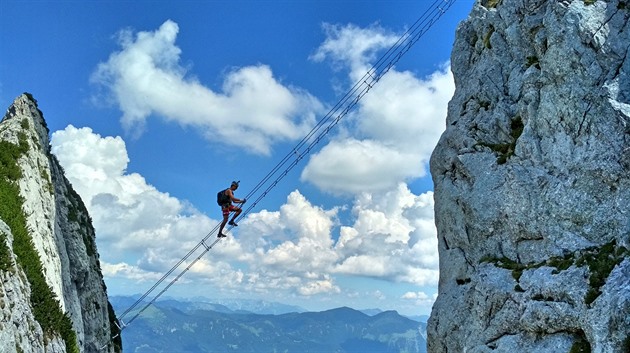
{"x": 225, "y": 199}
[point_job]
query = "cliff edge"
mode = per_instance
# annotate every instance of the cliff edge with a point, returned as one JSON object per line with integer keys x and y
{"x": 532, "y": 181}
{"x": 52, "y": 294}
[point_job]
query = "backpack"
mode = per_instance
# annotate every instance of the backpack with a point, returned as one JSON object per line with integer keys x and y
{"x": 222, "y": 198}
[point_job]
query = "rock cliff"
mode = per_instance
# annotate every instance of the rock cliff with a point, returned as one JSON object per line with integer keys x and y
{"x": 52, "y": 294}
{"x": 532, "y": 181}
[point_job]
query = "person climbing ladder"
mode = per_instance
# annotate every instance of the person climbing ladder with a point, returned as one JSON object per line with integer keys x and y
{"x": 225, "y": 199}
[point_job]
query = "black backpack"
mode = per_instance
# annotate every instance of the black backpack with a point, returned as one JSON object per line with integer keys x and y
{"x": 222, "y": 198}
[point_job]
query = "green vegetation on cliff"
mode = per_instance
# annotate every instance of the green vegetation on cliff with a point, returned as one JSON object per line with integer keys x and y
{"x": 46, "y": 307}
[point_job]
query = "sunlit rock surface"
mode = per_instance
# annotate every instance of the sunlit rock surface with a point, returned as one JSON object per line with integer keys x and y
{"x": 532, "y": 181}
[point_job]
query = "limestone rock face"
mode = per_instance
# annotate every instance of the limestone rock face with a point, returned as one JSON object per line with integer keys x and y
{"x": 63, "y": 237}
{"x": 532, "y": 181}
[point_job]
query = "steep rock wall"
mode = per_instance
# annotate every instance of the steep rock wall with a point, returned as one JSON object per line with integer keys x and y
{"x": 62, "y": 236}
{"x": 532, "y": 181}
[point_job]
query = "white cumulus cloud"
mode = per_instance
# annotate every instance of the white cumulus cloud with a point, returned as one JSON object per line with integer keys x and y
{"x": 389, "y": 139}
{"x": 253, "y": 108}
{"x": 420, "y": 299}
{"x": 141, "y": 230}
{"x": 128, "y": 213}
{"x": 353, "y": 46}
{"x": 389, "y": 238}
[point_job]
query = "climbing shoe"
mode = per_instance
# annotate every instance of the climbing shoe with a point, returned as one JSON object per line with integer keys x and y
{"x": 233, "y": 224}
{"x": 221, "y": 235}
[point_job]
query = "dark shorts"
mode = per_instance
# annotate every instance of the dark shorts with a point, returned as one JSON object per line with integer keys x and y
{"x": 227, "y": 209}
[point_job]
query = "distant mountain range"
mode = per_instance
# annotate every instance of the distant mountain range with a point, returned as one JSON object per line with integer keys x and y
{"x": 220, "y": 305}
{"x": 176, "y": 326}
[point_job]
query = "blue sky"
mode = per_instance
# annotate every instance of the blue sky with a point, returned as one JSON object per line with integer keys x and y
{"x": 154, "y": 106}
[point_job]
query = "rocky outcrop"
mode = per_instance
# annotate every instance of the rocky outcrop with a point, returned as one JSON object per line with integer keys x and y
{"x": 532, "y": 181}
{"x": 52, "y": 294}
